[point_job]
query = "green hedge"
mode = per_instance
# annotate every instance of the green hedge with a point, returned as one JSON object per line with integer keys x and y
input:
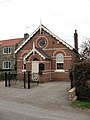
{"x": 1, "y": 76}
{"x": 80, "y": 77}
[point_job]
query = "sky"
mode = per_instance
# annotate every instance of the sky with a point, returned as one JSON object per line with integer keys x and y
{"x": 61, "y": 17}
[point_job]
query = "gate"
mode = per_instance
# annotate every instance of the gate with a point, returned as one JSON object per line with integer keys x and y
{"x": 35, "y": 77}
{"x": 30, "y": 80}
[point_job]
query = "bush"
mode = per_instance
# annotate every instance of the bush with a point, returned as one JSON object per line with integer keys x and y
{"x": 71, "y": 77}
{"x": 81, "y": 71}
{"x": 79, "y": 75}
{"x": 1, "y": 76}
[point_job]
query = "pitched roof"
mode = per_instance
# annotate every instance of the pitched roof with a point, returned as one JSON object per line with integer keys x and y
{"x": 38, "y": 51}
{"x": 43, "y": 53}
{"x": 10, "y": 42}
{"x": 48, "y": 31}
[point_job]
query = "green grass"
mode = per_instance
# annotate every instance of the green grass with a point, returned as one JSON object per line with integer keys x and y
{"x": 81, "y": 104}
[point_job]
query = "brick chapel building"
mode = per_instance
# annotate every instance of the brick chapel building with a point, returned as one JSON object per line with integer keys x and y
{"x": 46, "y": 54}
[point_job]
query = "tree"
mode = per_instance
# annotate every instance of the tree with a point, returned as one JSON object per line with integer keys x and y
{"x": 85, "y": 49}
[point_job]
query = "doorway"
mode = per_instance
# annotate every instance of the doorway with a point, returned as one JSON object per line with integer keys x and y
{"x": 35, "y": 66}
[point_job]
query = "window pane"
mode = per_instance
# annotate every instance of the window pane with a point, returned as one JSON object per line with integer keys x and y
{"x": 59, "y": 57}
{"x": 9, "y": 64}
{"x": 59, "y": 61}
{"x": 6, "y": 65}
{"x": 4, "y": 50}
{"x": 41, "y": 66}
{"x": 42, "y": 42}
{"x": 7, "y": 50}
{"x": 60, "y": 66}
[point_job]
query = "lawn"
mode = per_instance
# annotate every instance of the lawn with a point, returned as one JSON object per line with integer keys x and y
{"x": 81, "y": 104}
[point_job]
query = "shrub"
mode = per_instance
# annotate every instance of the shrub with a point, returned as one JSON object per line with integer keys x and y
{"x": 71, "y": 77}
{"x": 1, "y": 76}
{"x": 79, "y": 75}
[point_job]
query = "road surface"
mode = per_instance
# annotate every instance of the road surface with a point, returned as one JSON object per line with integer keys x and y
{"x": 46, "y": 102}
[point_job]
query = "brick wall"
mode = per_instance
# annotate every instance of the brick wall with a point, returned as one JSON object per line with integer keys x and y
{"x": 52, "y": 48}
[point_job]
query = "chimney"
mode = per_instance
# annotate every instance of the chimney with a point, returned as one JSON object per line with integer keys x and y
{"x": 26, "y": 35}
{"x": 76, "y": 40}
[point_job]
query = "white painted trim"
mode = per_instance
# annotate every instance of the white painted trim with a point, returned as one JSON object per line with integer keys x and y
{"x": 8, "y": 65}
{"x": 48, "y": 31}
{"x": 24, "y": 70}
{"x": 33, "y": 50}
{"x": 26, "y": 40}
{"x": 40, "y": 54}
{"x": 62, "y": 41}
{"x": 39, "y": 62}
{"x": 59, "y": 70}
{"x": 28, "y": 54}
{"x": 47, "y": 73}
{"x": 8, "y": 53}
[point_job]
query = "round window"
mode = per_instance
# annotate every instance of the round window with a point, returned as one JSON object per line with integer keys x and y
{"x": 42, "y": 43}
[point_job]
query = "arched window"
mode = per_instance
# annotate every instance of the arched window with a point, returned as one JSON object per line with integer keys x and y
{"x": 59, "y": 61}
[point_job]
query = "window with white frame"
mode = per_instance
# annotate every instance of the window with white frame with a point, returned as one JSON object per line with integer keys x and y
{"x": 6, "y": 64}
{"x": 7, "y": 50}
{"x": 59, "y": 61}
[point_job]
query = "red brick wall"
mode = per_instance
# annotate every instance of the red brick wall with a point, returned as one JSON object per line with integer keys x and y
{"x": 52, "y": 48}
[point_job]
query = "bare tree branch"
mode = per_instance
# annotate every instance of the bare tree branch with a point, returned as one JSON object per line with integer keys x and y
{"x": 85, "y": 49}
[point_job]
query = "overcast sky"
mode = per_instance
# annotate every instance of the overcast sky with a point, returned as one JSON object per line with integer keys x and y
{"x": 62, "y": 17}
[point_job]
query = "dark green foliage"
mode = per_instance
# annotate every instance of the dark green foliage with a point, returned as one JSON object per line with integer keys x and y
{"x": 1, "y": 76}
{"x": 71, "y": 77}
{"x": 80, "y": 77}
{"x": 81, "y": 71}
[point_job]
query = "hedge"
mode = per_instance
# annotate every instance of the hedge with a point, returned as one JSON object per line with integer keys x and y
{"x": 80, "y": 78}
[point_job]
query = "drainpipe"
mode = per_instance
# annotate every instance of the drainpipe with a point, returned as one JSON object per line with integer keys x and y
{"x": 50, "y": 72}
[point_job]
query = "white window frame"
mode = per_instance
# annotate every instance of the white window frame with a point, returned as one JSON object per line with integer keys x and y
{"x": 7, "y": 50}
{"x": 6, "y": 64}
{"x": 60, "y": 59}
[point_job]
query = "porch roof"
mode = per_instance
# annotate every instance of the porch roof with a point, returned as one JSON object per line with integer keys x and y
{"x": 40, "y": 52}
{"x": 43, "y": 53}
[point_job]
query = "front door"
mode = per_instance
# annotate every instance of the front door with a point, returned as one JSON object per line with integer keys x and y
{"x": 35, "y": 70}
{"x": 35, "y": 66}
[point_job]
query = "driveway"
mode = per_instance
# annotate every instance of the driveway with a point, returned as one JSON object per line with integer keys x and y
{"x": 46, "y": 101}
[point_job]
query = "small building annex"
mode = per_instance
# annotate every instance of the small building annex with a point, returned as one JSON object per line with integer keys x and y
{"x": 46, "y": 54}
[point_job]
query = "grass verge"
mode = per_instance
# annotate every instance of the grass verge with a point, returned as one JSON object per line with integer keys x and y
{"x": 81, "y": 104}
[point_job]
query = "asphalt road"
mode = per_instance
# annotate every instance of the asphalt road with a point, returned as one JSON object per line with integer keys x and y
{"x": 20, "y": 111}
{"x": 45, "y": 102}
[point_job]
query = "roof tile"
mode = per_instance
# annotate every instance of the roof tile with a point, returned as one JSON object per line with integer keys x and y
{"x": 10, "y": 42}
